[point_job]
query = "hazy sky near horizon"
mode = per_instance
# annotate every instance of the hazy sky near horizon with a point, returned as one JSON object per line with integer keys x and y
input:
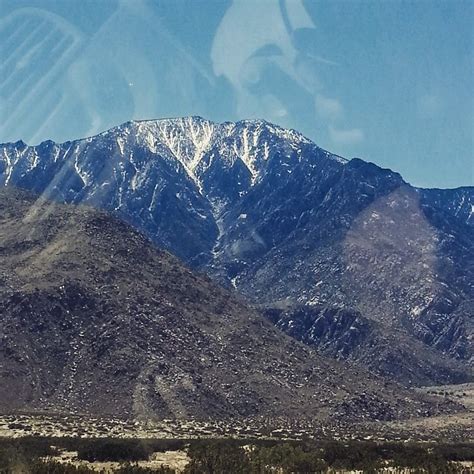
{"x": 388, "y": 81}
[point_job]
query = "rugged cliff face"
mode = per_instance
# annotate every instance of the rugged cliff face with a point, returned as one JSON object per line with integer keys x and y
{"x": 265, "y": 210}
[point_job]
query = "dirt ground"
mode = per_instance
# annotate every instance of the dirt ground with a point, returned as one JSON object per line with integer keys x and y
{"x": 450, "y": 427}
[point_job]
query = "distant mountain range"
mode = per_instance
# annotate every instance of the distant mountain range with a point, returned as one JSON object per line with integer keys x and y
{"x": 341, "y": 254}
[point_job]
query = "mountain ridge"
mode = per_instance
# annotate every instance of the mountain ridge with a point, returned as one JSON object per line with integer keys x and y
{"x": 23, "y": 144}
{"x": 269, "y": 212}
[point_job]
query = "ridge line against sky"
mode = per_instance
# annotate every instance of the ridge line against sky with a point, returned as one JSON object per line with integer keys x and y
{"x": 164, "y": 119}
{"x": 390, "y": 82}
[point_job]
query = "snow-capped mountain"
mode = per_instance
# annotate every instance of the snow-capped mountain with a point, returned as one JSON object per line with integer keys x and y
{"x": 149, "y": 171}
{"x": 266, "y": 210}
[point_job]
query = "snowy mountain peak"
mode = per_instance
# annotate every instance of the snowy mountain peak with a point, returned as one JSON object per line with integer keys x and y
{"x": 189, "y": 139}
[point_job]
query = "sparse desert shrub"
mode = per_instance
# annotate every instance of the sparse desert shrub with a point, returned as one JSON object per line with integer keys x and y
{"x": 286, "y": 458}
{"x": 421, "y": 457}
{"x": 17, "y": 454}
{"x": 217, "y": 457}
{"x": 114, "y": 450}
{"x": 455, "y": 451}
{"x": 135, "y": 469}
{"x": 54, "y": 467}
{"x": 26, "y": 455}
{"x": 359, "y": 456}
{"x": 162, "y": 445}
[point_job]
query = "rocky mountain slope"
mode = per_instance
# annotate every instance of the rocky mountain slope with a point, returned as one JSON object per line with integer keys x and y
{"x": 267, "y": 211}
{"x": 346, "y": 334}
{"x": 96, "y": 320}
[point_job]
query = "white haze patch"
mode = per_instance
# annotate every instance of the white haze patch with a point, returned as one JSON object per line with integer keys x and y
{"x": 341, "y": 136}
{"x": 256, "y": 37}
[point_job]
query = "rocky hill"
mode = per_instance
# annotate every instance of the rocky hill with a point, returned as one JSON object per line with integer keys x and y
{"x": 96, "y": 320}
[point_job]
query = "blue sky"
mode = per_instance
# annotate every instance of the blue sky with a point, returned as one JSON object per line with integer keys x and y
{"x": 387, "y": 81}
